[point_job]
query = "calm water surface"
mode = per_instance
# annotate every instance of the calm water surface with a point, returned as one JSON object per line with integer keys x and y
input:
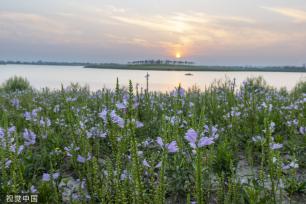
{"x": 41, "y": 76}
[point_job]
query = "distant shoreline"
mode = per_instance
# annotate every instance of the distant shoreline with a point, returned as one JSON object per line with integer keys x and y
{"x": 187, "y": 68}
{"x": 169, "y": 67}
{"x": 46, "y": 63}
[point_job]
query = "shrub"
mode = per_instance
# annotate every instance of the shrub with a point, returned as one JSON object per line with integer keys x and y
{"x": 16, "y": 84}
{"x": 299, "y": 89}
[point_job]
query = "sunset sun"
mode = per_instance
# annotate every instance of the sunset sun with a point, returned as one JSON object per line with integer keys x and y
{"x": 178, "y": 55}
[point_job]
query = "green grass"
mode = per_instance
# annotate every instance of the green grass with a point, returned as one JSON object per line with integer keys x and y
{"x": 103, "y": 144}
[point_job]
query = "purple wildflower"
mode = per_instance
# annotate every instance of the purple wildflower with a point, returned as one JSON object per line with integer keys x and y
{"x": 11, "y": 130}
{"x": 257, "y": 138}
{"x": 75, "y": 197}
{"x": 67, "y": 149}
{"x": 125, "y": 98}
{"x": 34, "y": 112}
{"x": 276, "y": 146}
{"x": 81, "y": 159}
{"x": 145, "y": 163}
{"x": 211, "y": 131}
{"x": 48, "y": 122}
{"x": 8, "y": 163}
{"x": 270, "y": 107}
{"x": 2, "y": 133}
{"x": 181, "y": 91}
{"x": 103, "y": 114}
{"x": 33, "y": 189}
{"x": 136, "y": 104}
{"x": 272, "y": 126}
{"x": 124, "y": 175}
{"x": 178, "y": 91}
{"x": 90, "y": 133}
{"x": 285, "y": 167}
{"x": 83, "y": 183}
{"x": 191, "y": 137}
{"x": 69, "y": 99}
{"x": 158, "y": 165}
{"x": 292, "y": 122}
{"x": 89, "y": 156}
{"x": 42, "y": 122}
{"x": 15, "y": 102}
{"x": 214, "y": 133}
{"x": 27, "y": 115}
{"x": 56, "y": 109}
{"x": 55, "y": 175}
{"x": 117, "y": 119}
{"x": 13, "y": 148}
{"x": 139, "y": 124}
{"x": 95, "y": 132}
{"x": 29, "y": 137}
{"x": 121, "y": 106}
{"x": 234, "y": 113}
{"x": 20, "y": 149}
{"x": 302, "y": 130}
{"x": 160, "y": 142}
{"x": 146, "y": 142}
{"x": 173, "y": 120}
{"x": 70, "y": 148}
{"x": 69, "y": 154}
{"x": 172, "y": 147}
{"x": 82, "y": 125}
{"x": 102, "y": 134}
{"x": 46, "y": 177}
{"x": 205, "y": 141}
{"x": 294, "y": 164}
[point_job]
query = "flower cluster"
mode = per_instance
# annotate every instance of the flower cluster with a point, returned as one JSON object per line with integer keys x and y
{"x": 29, "y": 137}
{"x": 195, "y": 142}
{"x": 171, "y": 147}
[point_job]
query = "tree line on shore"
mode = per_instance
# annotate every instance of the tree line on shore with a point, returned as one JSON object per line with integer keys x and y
{"x": 170, "y": 62}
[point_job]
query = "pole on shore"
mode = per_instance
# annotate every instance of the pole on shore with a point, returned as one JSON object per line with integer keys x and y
{"x": 147, "y": 78}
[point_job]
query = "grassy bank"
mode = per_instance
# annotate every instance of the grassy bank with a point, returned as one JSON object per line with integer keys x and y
{"x": 124, "y": 146}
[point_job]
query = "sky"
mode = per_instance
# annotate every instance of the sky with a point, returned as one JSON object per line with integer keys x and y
{"x": 209, "y": 32}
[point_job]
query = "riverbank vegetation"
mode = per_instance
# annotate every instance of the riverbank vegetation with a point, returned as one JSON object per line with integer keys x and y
{"x": 225, "y": 144}
{"x": 165, "y": 65}
{"x": 184, "y": 67}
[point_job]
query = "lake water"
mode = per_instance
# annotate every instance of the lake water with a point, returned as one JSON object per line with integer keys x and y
{"x": 41, "y": 76}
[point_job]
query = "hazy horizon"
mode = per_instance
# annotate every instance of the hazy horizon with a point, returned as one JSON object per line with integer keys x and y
{"x": 237, "y": 32}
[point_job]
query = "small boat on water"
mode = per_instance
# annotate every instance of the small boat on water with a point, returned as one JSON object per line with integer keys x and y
{"x": 188, "y": 74}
